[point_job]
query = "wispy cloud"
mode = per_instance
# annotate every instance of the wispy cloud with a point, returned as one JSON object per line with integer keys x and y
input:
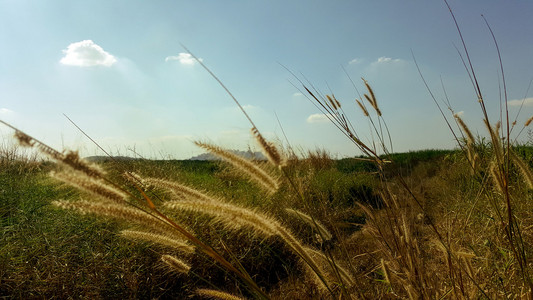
{"x": 297, "y": 94}
{"x": 355, "y": 61}
{"x": 5, "y": 111}
{"x": 184, "y": 59}
{"x": 87, "y": 54}
{"x": 460, "y": 113}
{"x": 384, "y": 59}
{"x": 318, "y": 118}
{"x": 518, "y": 102}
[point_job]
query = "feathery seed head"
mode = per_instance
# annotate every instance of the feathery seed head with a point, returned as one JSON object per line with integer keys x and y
{"x": 163, "y": 240}
{"x": 315, "y": 224}
{"x": 469, "y": 136}
{"x": 175, "y": 263}
{"x": 180, "y": 189}
{"x": 372, "y": 97}
{"x": 333, "y": 104}
{"x": 91, "y": 185}
{"x": 524, "y": 169}
{"x": 73, "y": 160}
{"x": 213, "y": 294}
{"x": 528, "y": 122}
{"x": 363, "y": 108}
{"x": 135, "y": 178}
{"x": 231, "y": 215}
{"x": 24, "y": 139}
{"x": 269, "y": 149}
{"x": 336, "y": 101}
{"x": 496, "y": 176}
{"x": 251, "y": 169}
{"x": 120, "y": 212}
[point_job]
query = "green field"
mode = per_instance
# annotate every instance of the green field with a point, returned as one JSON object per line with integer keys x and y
{"x": 387, "y": 249}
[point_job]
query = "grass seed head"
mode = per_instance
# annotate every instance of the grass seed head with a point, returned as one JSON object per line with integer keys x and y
{"x": 163, "y": 240}
{"x": 363, "y": 108}
{"x": 251, "y": 169}
{"x": 176, "y": 264}
{"x": 214, "y": 294}
{"x": 269, "y": 149}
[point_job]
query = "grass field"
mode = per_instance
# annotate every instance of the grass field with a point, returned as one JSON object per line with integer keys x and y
{"x": 48, "y": 252}
{"x": 432, "y": 224}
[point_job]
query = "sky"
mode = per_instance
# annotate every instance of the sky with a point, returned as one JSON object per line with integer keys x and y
{"x": 119, "y": 70}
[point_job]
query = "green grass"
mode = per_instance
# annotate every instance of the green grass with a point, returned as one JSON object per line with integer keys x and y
{"x": 46, "y": 252}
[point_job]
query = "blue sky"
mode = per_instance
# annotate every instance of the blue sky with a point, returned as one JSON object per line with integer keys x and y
{"x": 118, "y": 70}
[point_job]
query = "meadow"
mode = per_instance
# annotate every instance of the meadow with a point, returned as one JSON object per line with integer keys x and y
{"x": 358, "y": 222}
{"x": 430, "y": 224}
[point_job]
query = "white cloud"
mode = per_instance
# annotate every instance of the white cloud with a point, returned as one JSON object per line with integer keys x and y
{"x": 384, "y": 59}
{"x": 249, "y": 106}
{"x": 5, "y": 111}
{"x": 354, "y": 61}
{"x": 318, "y": 118}
{"x": 460, "y": 113}
{"x": 297, "y": 95}
{"x": 527, "y": 102}
{"x": 184, "y": 59}
{"x": 87, "y": 54}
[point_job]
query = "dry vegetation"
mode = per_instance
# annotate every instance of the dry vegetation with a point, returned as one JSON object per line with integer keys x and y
{"x": 453, "y": 224}
{"x": 448, "y": 224}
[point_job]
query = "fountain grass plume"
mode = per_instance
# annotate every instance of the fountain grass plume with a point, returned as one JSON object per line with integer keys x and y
{"x": 256, "y": 174}
{"x": 175, "y": 263}
{"x": 94, "y": 186}
{"x": 162, "y": 240}
{"x": 179, "y": 189}
{"x": 236, "y": 217}
{"x": 214, "y": 294}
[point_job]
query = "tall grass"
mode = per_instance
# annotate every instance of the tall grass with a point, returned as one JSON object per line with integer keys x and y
{"x": 456, "y": 227}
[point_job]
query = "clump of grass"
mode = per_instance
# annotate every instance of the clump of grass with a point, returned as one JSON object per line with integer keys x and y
{"x": 427, "y": 238}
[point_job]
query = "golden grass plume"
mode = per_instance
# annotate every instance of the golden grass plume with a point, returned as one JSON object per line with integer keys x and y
{"x": 179, "y": 189}
{"x": 90, "y": 184}
{"x": 120, "y": 212}
{"x": 235, "y": 217}
{"x": 323, "y": 232}
{"x": 175, "y": 263}
{"x": 269, "y": 183}
{"x": 363, "y": 108}
{"x": 214, "y": 294}
{"x": 163, "y": 240}
{"x": 268, "y": 149}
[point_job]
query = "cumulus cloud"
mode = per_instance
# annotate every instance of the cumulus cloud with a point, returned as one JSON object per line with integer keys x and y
{"x": 384, "y": 59}
{"x": 354, "y": 61}
{"x": 318, "y": 118}
{"x": 183, "y": 58}
{"x": 518, "y": 102}
{"x": 87, "y": 54}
